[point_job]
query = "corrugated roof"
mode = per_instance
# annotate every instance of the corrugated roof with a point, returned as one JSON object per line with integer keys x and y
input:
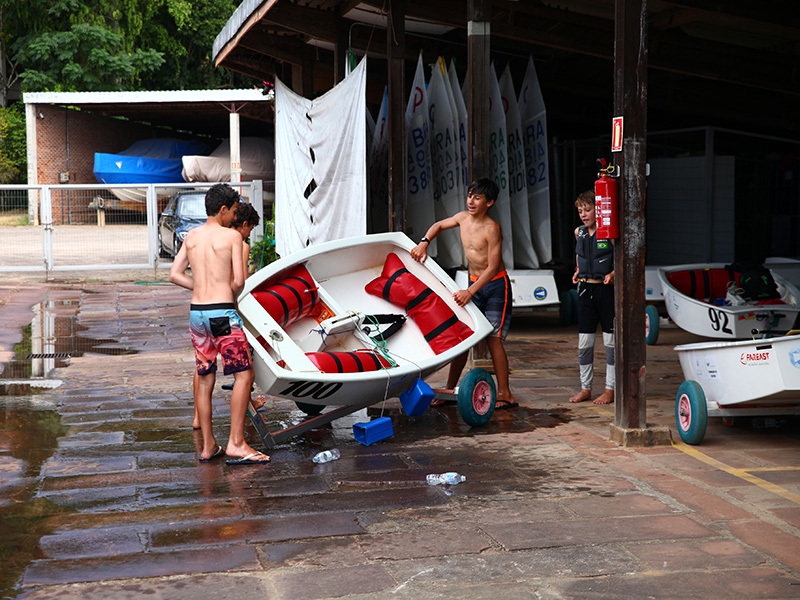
{"x": 198, "y": 111}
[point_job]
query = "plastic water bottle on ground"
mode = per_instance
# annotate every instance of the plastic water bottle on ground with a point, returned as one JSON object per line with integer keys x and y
{"x": 450, "y": 478}
{"x": 327, "y": 456}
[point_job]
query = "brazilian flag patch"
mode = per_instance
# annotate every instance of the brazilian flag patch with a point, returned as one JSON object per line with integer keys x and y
{"x": 602, "y": 245}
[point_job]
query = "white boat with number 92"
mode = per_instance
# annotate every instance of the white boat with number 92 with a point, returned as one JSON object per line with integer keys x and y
{"x": 697, "y": 301}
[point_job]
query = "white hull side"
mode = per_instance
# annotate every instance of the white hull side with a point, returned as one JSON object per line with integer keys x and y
{"x": 749, "y": 372}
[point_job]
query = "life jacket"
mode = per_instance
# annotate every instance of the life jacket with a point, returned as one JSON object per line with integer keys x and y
{"x": 436, "y": 320}
{"x": 593, "y": 262}
{"x": 291, "y": 298}
{"x": 358, "y": 361}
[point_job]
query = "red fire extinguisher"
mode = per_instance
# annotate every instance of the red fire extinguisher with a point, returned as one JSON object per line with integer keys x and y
{"x": 605, "y": 202}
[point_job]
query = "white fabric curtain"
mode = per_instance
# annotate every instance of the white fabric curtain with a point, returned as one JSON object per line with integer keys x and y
{"x": 320, "y": 179}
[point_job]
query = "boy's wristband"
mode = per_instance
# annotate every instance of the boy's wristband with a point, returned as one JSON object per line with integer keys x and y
{"x": 426, "y": 240}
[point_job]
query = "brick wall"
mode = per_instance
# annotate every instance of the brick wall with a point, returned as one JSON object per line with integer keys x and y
{"x": 66, "y": 141}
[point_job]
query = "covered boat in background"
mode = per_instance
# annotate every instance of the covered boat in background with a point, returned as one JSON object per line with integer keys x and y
{"x": 156, "y": 160}
{"x": 257, "y": 157}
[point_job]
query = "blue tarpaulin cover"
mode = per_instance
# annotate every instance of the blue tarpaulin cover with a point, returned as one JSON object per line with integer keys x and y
{"x": 155, "y": 160}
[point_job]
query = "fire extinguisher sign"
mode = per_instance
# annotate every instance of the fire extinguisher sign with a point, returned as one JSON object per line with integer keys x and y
{"x": 616, "y": 134}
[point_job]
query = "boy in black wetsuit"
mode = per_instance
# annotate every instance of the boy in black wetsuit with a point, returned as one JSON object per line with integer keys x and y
{"x": 594, "y": 275}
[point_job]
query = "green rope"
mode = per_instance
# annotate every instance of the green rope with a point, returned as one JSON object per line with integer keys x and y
{"x": 382, "y": 346}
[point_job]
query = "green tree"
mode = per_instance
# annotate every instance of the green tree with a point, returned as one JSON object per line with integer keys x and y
{"x": 74, "y": 45}
{"x": 13, "y": 159}
{"x": 102, "y": 45}
{"x": 184, "y": 32}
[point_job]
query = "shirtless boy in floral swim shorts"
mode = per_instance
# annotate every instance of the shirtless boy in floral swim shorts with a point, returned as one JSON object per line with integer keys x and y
{"x": 214, "y": 254}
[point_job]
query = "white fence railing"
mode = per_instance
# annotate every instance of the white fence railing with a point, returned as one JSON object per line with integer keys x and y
{"x": 94, "y": 227}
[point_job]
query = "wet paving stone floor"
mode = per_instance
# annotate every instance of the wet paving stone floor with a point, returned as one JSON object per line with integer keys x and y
{"x": 101, "y": 492}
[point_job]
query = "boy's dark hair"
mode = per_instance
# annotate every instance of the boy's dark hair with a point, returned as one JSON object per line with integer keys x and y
{"x": 218, "y": 196}
{"x": 484, "y": 186}
{"x": 245, "y": 213}
{"x": 585, "y": 198}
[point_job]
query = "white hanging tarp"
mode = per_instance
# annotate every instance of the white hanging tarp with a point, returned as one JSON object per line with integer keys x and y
{"x": 420, "y": 213}
{"x": 498, "y": 168}
{"x": 320, "y": 180}
{"x": 445, "y": 170}
{"x": 524, "y": 254}
{"x": 534, "y": 132}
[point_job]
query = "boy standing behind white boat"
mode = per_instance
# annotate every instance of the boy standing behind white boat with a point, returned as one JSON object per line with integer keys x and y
{"x": 214, "y": 253}
{"x": 594, "y": 275}
{"x": 490, "y": 287}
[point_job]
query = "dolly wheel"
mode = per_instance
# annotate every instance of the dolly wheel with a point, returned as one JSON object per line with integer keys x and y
{"x": 476, "y": 397}
{"x": 651, "y": 327}
{"x": 691, "y": 412}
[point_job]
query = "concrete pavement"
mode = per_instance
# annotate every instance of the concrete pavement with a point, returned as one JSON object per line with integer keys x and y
{"x": 551, "y": 507}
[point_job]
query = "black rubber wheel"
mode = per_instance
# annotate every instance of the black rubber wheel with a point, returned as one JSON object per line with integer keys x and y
{"x": 476, "y": 397}
{"x": 651, "y": 326}
{"x": 691, "y": 412}
{"x": 312, "y": 410}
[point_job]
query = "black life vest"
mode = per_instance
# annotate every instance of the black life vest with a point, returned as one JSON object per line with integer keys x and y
{"x": 593, "y": 262}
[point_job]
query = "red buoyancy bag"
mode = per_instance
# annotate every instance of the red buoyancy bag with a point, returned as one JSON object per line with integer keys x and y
{"x": 437, "y": 321}
{"x": 358, "y": 361}
{"x": 291, "y": 298}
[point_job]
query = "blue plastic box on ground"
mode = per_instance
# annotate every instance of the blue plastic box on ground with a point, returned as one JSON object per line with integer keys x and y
{"x": 373, "y": 431}
{"x": 417, "y": 398}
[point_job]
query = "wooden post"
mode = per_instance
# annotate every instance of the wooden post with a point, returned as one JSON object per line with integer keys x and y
{"x": 479, "y": 13}
{"x": 395, "y": 53}
{"x": 340, "y": 49}
{"x": 630, "y": 102}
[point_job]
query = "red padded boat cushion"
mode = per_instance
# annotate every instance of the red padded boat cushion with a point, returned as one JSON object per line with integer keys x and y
{"x": 702, "y": 284}
{"x": 437, "y": 321}
{"x": 291, "y": 298}
{"x": 358, "y": 361}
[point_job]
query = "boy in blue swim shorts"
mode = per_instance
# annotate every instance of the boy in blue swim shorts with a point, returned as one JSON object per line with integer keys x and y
{"x": 489, "y": 288}
{"x": 213, "y": 251}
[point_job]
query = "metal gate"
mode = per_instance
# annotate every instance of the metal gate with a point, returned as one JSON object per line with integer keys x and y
{"x": 93, "y": 227}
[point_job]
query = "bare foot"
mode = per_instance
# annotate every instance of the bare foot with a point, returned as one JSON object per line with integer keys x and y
{"x": 606, "y": 397}
{"x": 259, "y": 402}
{"x": 246, "y": 453}
{"x": 581, "y": 396}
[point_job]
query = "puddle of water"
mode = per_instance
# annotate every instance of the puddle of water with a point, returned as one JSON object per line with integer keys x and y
{"x": 51, "y": 340}
{"x": 30, "y": 428}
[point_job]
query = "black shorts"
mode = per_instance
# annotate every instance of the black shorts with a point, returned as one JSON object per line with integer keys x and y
{"x": 595, "y": 306}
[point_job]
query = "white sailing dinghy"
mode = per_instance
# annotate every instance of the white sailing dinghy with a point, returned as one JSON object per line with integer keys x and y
{"x": 698, "y": 301}
{"x": 351, "y": 322}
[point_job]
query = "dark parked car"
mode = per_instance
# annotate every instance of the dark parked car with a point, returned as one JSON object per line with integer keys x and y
{"x": 184, "y": 211}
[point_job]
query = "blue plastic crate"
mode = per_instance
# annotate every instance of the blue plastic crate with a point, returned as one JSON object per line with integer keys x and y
{"x": 373, "y": 431}
{"x": 416, "y": 399}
